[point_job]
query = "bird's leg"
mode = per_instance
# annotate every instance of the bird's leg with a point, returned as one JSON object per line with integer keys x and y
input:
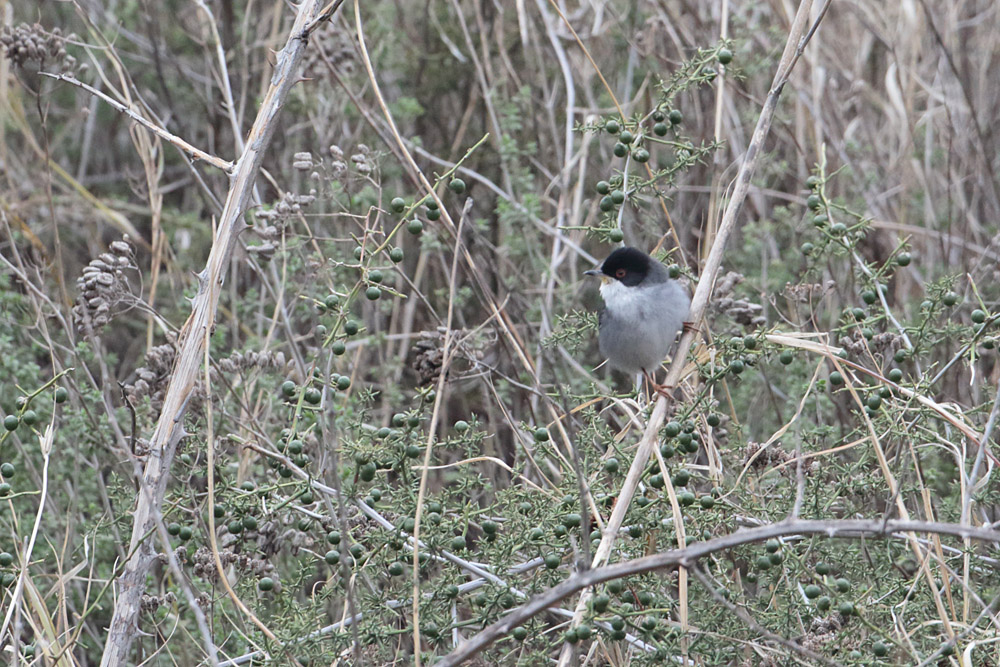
{"x": 691, "y": 326}
{"x": 661, "y": 389}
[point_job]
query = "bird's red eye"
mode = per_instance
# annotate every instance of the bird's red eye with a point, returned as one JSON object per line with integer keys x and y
{"x": 620, "y": 273}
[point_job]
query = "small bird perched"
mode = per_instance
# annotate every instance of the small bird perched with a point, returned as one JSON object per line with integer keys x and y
{"x": 644, "y": 310}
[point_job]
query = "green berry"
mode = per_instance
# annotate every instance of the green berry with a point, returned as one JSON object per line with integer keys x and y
{"x": 603, "y": 187}
{"x": 10, "y": 422}
{"x": 904, "y": 259}
{"x": 172, "y": 529}
{"x": 659, "y": 116}
{"x": 617, "y": 196}
{"x": 786, "y": 357}
{"x": 978, "y": 317}
{"x": 814, "y": 202}
{"x": 375, "y": 276}
{"x": 266, "y": 584}
{"x": 457, "y": 185}
{"x": 333, "y": 537}
{"x": 397, "y": 204}
{"x": 250, "y": 522}
{"x": 660, "y": 129}
{"x": 396, "y": 569}
{"x": 611, "y": 465}
{"x": 772, "y": 546}
{"x": 880, "y": 650}
{"x": 235, "y": 527}
{"x": 461, "y": 426}
{"x": 30, "y": 417}
{"x": 414, "y": 227}
{"x": 343, "y": 383}
{"x": 541, "y": 434}
{"x": 350, "y": 327}
{"x": 846, "y": 608}
{"x": 552, "y": 561}
{"x": 186, "y": 533}
{"x": 674, "y": 271}
{"x": 641, "y": 156}
{"x": 836, "y": 379}
{"x": 313, "y": 396}
{"x": 813, "y": 591}
{"x": 676, "y": 117}
{"x": 842, "y": 585}
{"x": 950, "y": 299}
{"x": 616, "y": 235}
{"x": 807, "y": 248}
{"x": 626, "y": 137}
{"x": 725, "y": 56}
{"x": 612, "y": 127}
{"x": 812, "y": 182}
{"x": 706, "y": 502}
{"x": 396, "y": 255}
{"x": 61, "y": 394}
{"x": 823, "y": 569}
{"x": 338, "y": 347}
{"x": 433, "y": 214}
{"x": 288, "y": 388}
{"x": 373, "y": 293}
{"x": 823, "y": 603}
{"x": 620, "y": 149}
{"x": 763, "y": 563}
{"x": 606, "y": 204}
{"x": 681, "y": 478}
{"x": 737, "y": 366}
{"x": 895, "y": 375}
{"x": 869, "y": 296}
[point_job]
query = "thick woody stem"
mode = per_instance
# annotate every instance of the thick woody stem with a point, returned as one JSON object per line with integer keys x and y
{"x": 169, "y": 428}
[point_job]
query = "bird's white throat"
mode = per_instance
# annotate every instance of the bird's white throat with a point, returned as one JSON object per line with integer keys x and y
{"x": 620, "y": 298}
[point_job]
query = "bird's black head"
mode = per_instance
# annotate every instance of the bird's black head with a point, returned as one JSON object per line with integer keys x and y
{"x": 627, "y": 265}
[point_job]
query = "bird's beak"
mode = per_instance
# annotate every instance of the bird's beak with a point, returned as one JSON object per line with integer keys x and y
{"x": 592, "y": 272}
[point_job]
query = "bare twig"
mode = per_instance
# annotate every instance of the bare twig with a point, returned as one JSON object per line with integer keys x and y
{"x": 197, "y": 153}
{"x": 848, "y": 528}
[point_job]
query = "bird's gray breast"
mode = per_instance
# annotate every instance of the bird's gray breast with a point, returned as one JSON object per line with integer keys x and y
{"x": 639, "y": 324}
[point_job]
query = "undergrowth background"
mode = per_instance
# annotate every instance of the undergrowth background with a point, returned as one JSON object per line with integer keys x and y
{"x": 375, "y": 364}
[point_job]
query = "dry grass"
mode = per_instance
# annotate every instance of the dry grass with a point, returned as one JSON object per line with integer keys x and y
{"x": 892, "y": 104}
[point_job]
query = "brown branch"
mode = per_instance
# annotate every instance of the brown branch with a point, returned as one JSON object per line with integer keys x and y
{"x": 170, "y": 426}
{"x": 847, "y": 528}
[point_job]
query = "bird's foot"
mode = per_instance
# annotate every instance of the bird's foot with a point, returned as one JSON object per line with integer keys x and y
{"x": 691, "y": 327}
{"x": 664, "y": 390}
{"x": 661, "y": 389}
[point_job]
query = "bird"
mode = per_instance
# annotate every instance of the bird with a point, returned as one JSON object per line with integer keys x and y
{"x": 644, "y": 310}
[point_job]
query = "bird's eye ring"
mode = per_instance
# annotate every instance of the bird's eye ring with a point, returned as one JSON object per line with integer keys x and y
{"x": 620, "y": 273}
